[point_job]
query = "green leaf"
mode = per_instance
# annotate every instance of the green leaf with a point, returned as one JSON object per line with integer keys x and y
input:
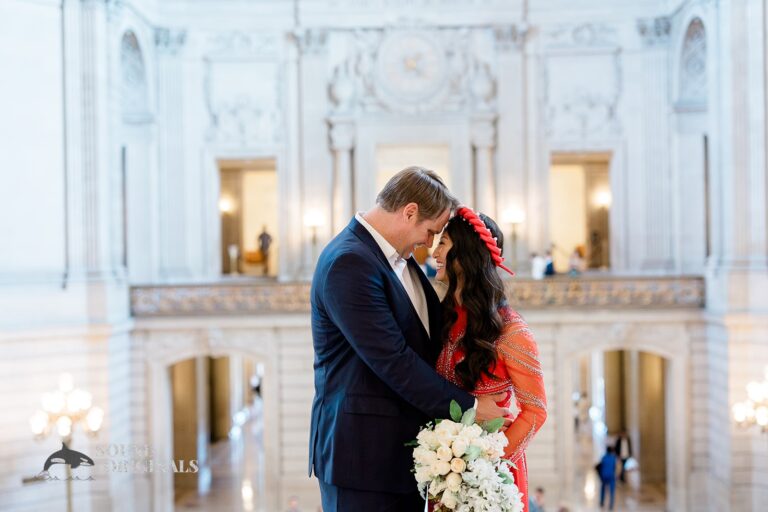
{"x": 412, "y": 443}
{"x": 506, "y": 477}
{"x": 493, "y": 426}
{"x": 469, "y": 417}
{"x": 455, "y": 411}
{"x": 473, "y": 452}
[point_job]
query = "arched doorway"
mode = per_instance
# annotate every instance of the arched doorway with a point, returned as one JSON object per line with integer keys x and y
{"x": 620, "y": 402}
{"x": 162, "y": 352}
{"x": 661, "y": 343}
{"x": 218, "y": 423}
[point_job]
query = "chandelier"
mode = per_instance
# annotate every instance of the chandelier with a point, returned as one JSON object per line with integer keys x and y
{"x": 754, "y": 410}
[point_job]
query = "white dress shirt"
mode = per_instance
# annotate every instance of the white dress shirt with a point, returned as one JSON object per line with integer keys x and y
{"x": 404, "y": 273}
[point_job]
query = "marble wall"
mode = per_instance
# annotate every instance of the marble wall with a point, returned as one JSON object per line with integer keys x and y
{"x": 115, "y": 114}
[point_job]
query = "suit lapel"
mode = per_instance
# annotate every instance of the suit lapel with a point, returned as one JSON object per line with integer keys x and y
{"x": 433, "y": 306}
{"x": 433, "y": 303}
{"x": 365, "y": 236}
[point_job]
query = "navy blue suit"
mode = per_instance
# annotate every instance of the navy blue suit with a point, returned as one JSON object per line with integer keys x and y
{"x": 375, "y": 383}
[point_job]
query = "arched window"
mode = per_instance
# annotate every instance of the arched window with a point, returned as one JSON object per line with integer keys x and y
{"x": 133, "y": 80}
{"x": 693, "y": 64}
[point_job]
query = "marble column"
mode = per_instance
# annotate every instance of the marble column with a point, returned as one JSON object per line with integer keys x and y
{"x": 511, "y": 155}
{"x": 737, "y": 277}
{"x": 174, "y": 260}
{"x": 342, "y": 143}
{"x": 484, "y": 144}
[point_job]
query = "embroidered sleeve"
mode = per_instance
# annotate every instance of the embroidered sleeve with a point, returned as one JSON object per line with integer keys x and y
{"x": 517, "y": 348}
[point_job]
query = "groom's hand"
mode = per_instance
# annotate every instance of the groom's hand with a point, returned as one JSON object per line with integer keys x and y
{"x": 488, "y": 410}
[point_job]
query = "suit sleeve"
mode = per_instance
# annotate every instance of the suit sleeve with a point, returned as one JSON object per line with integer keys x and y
{"x": 357, "y": 303}
{"x": 518, "y": 350}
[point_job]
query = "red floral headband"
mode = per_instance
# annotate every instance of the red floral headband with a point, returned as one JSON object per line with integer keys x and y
{"x": 481, "y": 229}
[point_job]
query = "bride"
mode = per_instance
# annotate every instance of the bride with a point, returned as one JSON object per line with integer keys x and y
{"x": 488, "y": 348}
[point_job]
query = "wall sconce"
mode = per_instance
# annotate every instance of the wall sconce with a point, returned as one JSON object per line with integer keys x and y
{"x": 226, "y": 205}
{"x": 514, "y": 217}
{"x": 602, "y": 199}
{"x": 314, "y": 219}
{"x": 754, "y": 410}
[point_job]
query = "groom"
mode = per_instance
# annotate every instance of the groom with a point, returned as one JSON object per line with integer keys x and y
{"x": 376, "y": 332}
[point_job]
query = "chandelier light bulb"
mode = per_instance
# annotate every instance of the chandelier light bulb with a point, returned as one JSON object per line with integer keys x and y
{"x": 94, "y": 418}
{"x": 38, "y": 422}
{"x": 78, "y": 400}
{"x": 755, "y": 392}
{"x": 740, "y": 412}
{"x": 64, "y": 426}
{"x": 761, "y": 416}
{"x": 54, "y": 402}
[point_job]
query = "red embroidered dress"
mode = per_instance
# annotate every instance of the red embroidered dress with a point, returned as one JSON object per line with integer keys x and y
{"x": 517, "y": 372}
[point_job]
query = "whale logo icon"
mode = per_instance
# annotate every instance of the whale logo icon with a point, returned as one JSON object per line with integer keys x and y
{"x": 67, "y": 456}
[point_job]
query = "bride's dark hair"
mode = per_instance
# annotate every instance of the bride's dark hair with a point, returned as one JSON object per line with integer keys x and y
{"x": 482, "y": 293}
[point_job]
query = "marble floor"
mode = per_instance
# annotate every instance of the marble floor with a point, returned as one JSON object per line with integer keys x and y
{"x": 237, "y": 468}
{"x": 630, "y": 496}
{"x": 237, "y": 482}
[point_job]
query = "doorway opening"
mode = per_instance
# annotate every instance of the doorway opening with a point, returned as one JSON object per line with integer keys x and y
{"x": 620, "y": 400}
{"x": 248, "y": 207}
{"x": 579, "y": 211}
{"x": 218, "y": 422}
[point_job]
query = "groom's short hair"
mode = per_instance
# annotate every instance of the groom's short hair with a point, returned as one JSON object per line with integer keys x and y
{"x": 417, "y": 185}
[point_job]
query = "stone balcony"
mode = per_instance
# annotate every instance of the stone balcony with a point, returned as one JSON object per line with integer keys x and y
{"x": 265, "y": 298}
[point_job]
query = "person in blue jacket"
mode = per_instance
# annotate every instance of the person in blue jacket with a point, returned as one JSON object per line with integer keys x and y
{"x": 607, "y": 470}
{"x": 376, "y": 332}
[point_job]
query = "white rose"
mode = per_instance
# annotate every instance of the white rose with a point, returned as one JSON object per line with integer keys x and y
{"x": 475, "y": 431}
{"x": 458, "y": 465}
{"x": 453, "y": 482}
{"x": 423, "y": 474}
{"x": 427, "y": 438}
{"x": 436, "y": 486}
{"x": 459, "y": 447}
{"x": 424, "y": 456}
{"x": 449, "y": 500}
{"x": 449, "y": 426}
{"x": 441, "y": 467}
{"x": 444, "y": 453}
{"x": 444, "y": 436}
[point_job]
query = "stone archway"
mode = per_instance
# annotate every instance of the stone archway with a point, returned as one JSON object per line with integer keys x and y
{"x": 669, "y": 341}
{"x": 164, "y": 349}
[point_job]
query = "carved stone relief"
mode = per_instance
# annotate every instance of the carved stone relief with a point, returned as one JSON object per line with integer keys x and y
{"x": 585, "y": 35}
{"x": 654, "y": 31}
{"x": 170, "y": 41}
{"x": 243, "y": 88}
{"x": 612, "y": 293}
{"x": 413, "y": 70}
{"x": 582, "y": 95}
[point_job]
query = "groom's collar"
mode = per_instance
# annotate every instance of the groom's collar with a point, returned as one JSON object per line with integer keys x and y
{"x": 387, "y": 249}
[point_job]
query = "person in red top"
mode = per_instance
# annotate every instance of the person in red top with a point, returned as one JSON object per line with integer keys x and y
{"x": 488, "y": 348}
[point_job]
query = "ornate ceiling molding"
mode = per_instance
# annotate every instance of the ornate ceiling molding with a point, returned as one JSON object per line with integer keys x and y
{"x": 414, "y": 70}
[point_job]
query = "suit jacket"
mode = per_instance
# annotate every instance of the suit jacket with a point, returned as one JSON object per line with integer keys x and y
{"x": 375, "y": 384}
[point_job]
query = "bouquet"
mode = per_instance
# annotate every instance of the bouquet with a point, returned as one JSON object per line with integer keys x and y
{"x": 458, "y": 465}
